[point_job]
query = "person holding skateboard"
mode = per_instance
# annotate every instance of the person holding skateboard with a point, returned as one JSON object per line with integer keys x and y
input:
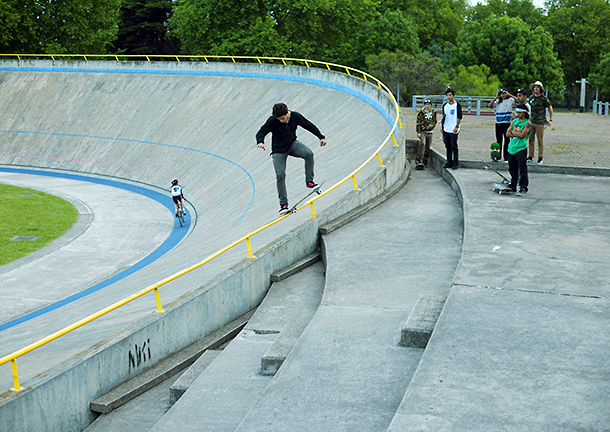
{"x": 283, "y": 125}
{"x": 503, "y": 106}
{"x": 452, "y": 117}
{"x": 426, "y": 122}
{"x": 519, "y": 133}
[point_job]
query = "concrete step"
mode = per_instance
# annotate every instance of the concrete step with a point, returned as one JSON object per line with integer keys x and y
{"x": 230, "y": 385}
{"x": 190, "y": 375}
{"x": 167, "y": 367}
{"x": 421, "y": 321}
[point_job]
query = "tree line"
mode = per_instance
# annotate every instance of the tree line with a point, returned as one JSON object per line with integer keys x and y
{"x": 421, "y": 45}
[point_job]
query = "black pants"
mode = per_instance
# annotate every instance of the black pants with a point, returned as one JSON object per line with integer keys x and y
{"x": 517, "y": 167}
{"x": 501, "y": 137}
{"x": 450, "y": 140}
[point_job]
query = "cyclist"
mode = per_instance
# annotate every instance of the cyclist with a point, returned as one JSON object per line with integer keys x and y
{"x": 177, "y": 196}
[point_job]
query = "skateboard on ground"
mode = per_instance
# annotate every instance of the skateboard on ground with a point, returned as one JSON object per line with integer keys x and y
{"x": 495, "y": 152}
{"x": 293, "y": 209}
{"x": 501, "y": 188}
{"x": 419, "y": 165}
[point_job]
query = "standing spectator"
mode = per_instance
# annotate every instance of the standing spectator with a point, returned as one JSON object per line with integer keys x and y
{"x": 426, "y": 122}
{"x": 519, "y": 132}
{"x": 503, "y": 105}
{"x": 452, "y": 117}
{"x": 521, "y": 98}
{"x": 539, "y": 104}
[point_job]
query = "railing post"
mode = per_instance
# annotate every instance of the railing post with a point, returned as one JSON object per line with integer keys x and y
{"x": 249, "y": 245}
{"x": 313, "y": 210}
{"x": 414, "y": 103}
{"x": 478, "y": 107}
{"x": 355, "y": 184}
{"x": 158, "y": 300}
{"x": 16, "y": 386}
{"x": 379, "y": 159}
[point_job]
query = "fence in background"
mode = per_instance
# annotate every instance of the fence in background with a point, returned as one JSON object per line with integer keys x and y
{"x": 470, "y": 104}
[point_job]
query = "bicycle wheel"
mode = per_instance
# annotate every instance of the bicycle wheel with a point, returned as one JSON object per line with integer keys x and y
{"x": 180, "y": 218}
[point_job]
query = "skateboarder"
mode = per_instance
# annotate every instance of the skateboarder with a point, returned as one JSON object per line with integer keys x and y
{"x": 519, "y": 133}
{"x": 426, "y": 122}
{"x": 283, "y": 125}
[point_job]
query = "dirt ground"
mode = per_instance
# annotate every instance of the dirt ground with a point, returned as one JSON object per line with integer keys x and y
{"x": 575, "y": 139}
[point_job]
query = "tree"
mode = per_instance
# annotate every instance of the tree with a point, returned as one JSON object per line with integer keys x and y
{"x": 524, "y": 9}
{"x": 391, "y": 31}
{"x": 144, "y": 28}
{"x": 436, "y": 21}
{"x": 515, "y": 53}
{"x": 581, "y": 34}
{"x": 320, "y": 29}
{"x": 416, "y": 74}
{"x": 600, "y": 77}
{"x": 226, "y": 27}
{"x": 473, "y": 80}
{"x": 58, "y": 26}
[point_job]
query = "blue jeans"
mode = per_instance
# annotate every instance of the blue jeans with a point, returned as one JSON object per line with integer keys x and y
{"x": 299, "y": 150}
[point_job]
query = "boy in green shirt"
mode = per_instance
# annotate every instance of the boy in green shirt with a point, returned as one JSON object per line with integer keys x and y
{"x": 519, "y": 133}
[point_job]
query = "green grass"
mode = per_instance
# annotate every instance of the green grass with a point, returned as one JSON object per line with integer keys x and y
{"x": 43, "y": 215}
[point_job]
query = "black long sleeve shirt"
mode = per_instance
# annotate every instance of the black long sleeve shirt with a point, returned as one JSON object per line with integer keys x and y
{"x": 284, "y": 134}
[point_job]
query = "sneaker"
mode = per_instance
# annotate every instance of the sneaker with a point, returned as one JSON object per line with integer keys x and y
{"x": 448, "y": 165}
{"x": 283, "y": 209}
{"x": 522, "y": 191}
{"x": 529, "y": 160}
{"x": 183, "y": 212}
{"x": 311, "y": 185}
{"x": 419, "y": 165}
{"x": 539, "y": 161}
{"x": 454, "y": 166}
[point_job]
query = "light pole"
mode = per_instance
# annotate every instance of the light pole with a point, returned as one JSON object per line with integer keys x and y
{"x": 583, "y": 90}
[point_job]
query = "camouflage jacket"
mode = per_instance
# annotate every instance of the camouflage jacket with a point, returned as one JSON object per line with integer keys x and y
{"x": 426, "y": 121}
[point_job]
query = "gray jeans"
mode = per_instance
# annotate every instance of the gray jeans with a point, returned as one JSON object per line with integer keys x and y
{"x": 299, "y": 150}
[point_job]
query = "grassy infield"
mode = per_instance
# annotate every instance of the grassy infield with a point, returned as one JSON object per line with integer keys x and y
{"x": 41, "y": 215}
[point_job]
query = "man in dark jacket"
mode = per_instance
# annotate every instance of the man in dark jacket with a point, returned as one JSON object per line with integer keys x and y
{"x": 283, "y": 125}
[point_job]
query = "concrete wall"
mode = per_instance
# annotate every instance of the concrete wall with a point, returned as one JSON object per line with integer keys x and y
{"x": 58, "y": 400}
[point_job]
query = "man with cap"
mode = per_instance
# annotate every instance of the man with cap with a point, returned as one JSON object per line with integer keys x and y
{"x": 426, "y": 122}
{"x": 503, "y": 105}
{"x": 539, "y": 104}
{"x": 521, "y": 98}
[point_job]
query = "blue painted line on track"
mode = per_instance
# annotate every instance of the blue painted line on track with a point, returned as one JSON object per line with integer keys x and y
{"x": 177, "y": 234}
{"x": 298, "y": 79}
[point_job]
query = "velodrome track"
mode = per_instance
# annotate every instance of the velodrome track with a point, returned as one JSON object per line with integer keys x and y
{"x": 139, "y": 129}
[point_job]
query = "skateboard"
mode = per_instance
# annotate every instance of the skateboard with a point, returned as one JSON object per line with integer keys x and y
{"x": 501, "y": 188}
{"x": 495, "y": 152}
{"x": 419, "y": 165}
{"x": 293, "y": 209}
{"x": 487, "y": 167}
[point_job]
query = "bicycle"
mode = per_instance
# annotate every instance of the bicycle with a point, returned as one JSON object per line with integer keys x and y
{"x": 180, "y": 216}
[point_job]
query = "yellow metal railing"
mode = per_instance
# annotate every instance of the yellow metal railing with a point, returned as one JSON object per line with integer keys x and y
{"x": 12, "y": 358}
